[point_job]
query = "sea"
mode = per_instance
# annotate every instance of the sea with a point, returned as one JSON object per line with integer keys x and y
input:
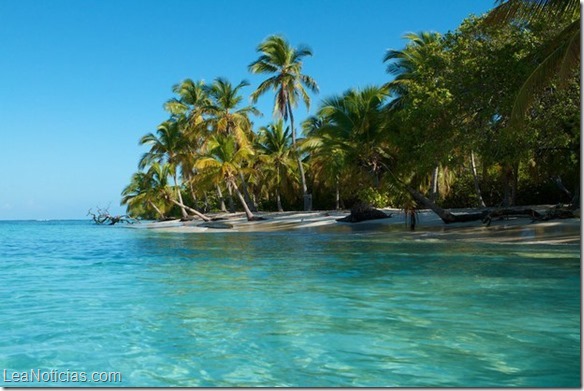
{"x": 111, "y": 306}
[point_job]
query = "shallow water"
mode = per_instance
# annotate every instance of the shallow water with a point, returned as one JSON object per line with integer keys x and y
{"x": 360, "y": 308}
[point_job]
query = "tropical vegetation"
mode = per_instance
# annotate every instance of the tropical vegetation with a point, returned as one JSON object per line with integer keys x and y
{"x": 485, "y": 115}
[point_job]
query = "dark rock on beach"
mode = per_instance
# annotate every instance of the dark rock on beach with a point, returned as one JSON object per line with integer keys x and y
{"x": 216, "y": 225}
{"x": 363, "y": 212}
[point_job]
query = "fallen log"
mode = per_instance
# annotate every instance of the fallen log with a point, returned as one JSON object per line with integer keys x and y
{"x": 487, "y": 215}
{"x": 510, "y": 212}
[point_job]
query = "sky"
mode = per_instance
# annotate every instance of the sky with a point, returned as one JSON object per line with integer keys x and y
{"x": 82, "y": 80}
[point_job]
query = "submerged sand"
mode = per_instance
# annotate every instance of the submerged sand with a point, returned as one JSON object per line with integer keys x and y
{"x": 429, "y": 226}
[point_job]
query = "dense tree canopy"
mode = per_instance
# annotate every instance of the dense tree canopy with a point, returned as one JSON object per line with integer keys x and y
{"x": 487, "y": 114}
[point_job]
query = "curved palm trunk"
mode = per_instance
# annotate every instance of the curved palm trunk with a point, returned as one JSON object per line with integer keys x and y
{"x": 307, "y": 197}
{"x": 162, "y": 216}
{"x": 192, "y": 191}
{"x": 194, "y": 211}
{"x": 248, "y": 212}
{"x": 446, "y": 216}
{"x": 248, "y": 199}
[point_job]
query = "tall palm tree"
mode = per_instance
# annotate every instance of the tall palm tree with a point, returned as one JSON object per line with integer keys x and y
{"x": 275, "y": 147}
{"x": 224, "y": 161}
{"x": 225, "y": 117}
{"x": 560, "y": 56}
{"x": 279, "y": 59}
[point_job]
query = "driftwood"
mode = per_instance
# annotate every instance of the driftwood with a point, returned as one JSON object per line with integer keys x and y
{"x": 487, "y": 215}
{"x": 104, "y": 217}
{"x": 363, "y": 212}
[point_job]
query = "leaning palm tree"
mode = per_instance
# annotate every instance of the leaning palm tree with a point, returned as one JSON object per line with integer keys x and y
{"x": 560, "y": 56}
{"x": 168, "y": 145}
{"x": 223, "y": 162}
{"x": 144, "y": 193}
{"x": 279, "y": 59}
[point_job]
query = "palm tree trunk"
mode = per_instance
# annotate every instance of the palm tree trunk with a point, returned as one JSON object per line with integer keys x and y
{"x": 278, "y": 200}
{"x": 507, "y": 175}
{"x": 221, "y": 199}
{"x": 434, "y": 184}
{"x": 248, "y": 213}
{"x": 337, "y": 194}
{"x": 475, "y": 177}
{"x": 193, "y": 195}
{"x": 248, "y": 199}
{"x": 230, "y": 199}
{"x": 182, "y": 209}
{"x": 446, "y": 216}
{"x": 196, "y": 212}
{"x": 162, "y": 217}
{"x": 514, "y": 184}
{"x": 207, "y": 207}
{"x": 307, "y": 197}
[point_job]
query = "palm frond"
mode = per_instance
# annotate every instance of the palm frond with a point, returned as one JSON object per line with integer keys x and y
{"x": 560, "y": 63}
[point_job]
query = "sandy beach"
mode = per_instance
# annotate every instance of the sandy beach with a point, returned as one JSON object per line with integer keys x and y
{"x": 429, "y": 226}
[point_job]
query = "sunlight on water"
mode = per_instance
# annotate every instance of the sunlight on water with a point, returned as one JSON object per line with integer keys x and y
{"x": 287, "y": 309}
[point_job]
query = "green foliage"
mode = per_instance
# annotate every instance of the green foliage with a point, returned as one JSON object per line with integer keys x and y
{"x": 373, "y": 197}
{"x": 449, "y": 104}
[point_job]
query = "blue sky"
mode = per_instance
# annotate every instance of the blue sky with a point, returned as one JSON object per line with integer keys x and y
{"x": 82, "y": 80}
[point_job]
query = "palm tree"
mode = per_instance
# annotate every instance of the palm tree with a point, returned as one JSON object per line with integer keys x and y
{"x": 357, "y": 122}
{"x": 405, "y": 64}
{"x": 223, "y": 162}
{"x": 274, "y": 145}
{"x": 328, "y": 156}
{"x": 284, "y": 63}
{"x": 192, "y": 98}
{"x": 167, "y": 146}
{"x": 144, "y": 193}
{"x": 561, "y": 55}
{"x": 225, "y": 118}
{"x": 409, "y": 66}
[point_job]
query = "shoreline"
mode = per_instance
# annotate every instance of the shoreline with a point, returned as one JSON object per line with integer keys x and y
{"x": 428, "y": 226}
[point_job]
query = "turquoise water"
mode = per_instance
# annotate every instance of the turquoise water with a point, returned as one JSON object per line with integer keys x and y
{"x": 287, "y": 309}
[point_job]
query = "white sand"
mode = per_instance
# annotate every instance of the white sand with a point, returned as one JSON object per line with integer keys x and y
{"x": 429, "y": 226}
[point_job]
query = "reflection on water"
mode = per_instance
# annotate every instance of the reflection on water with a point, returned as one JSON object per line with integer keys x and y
{"x": 342, "y": 308}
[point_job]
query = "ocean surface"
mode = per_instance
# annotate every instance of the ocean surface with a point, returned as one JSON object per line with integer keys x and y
{"x": 304, "y": 308}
